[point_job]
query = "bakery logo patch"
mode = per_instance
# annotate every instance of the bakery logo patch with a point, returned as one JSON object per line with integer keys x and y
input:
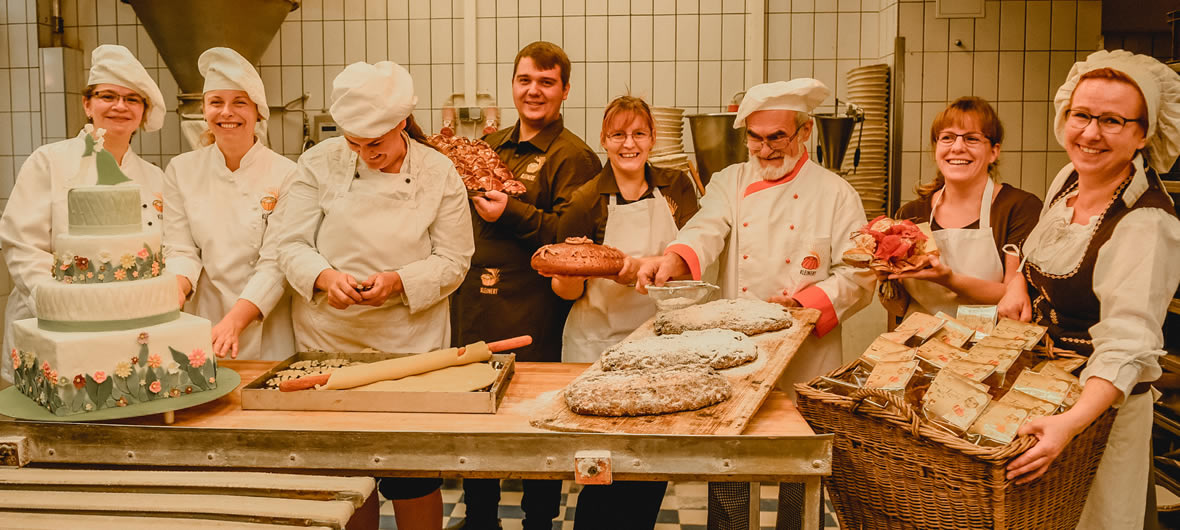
{"x": 809, "y": 265}
{"x": 158, "y": 204}
{"x": 671, "y": 205}
{"x": 534, "y": 167}
{"x": 490, "y": 278}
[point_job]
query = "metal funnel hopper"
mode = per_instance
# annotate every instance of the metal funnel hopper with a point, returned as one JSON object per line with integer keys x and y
{"x": 181, "y": 31}
{"x": 833, "y": 132}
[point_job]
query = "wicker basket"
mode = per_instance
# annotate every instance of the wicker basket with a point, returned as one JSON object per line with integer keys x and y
{"x": 891, "y": 471}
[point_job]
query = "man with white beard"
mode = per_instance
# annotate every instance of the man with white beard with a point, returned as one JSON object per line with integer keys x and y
{"x": 777, "y": 225}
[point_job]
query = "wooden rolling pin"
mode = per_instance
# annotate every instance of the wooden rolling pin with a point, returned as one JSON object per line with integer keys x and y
{"x": 354, "y": 376}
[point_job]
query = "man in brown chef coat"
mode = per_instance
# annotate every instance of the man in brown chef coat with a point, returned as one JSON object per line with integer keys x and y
{"x": 502, "y": 295}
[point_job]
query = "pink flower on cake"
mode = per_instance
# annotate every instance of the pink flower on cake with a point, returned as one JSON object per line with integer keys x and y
{"x": 127, "y": 261}
{"x": 45, "y": 367}
{"x": 120, "y": 275}
{"x": 122, "y": 369}
{"x": 143, "y": 253}
{"x": 89, "y": 275}
{"x": 65, "y": 266}
{"x": 142, "y": 338}
{"x": 15, "y": 359}
{"x": 100, "y": 376}
{"x": 155, "y": 387}
{"x": 197, "y": 358}
{"x": 155, "y": 268}
{"x": 134, "y": 274}
{"x": 212, "y": 380}
{"x": 52, "y": 377}
{"x": 79, "y": 381}
{"x": 154, "y": 360}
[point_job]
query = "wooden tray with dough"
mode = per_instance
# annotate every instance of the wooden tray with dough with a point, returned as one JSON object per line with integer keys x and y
{"x": 751, "y": 384}
{"x": 377, "y": 398}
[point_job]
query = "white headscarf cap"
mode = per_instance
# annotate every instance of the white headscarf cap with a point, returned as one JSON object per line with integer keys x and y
{"x": 1161, "y": 91}
{"x": 802, "y": 95}
{"x": 369, "y": 100}
{"x": 226, "y": 69}
{"x": 114, "y": 64}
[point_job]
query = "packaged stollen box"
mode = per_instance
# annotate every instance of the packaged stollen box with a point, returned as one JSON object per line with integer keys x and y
{"x": 921, "y": 325}
{"x": 981, "y": 318}
{"x": 1005, "y": 343}
{"x": 1036, "y": 407}
{"x": 900, "y": 336}
{"x": 1075, "y": 385}
{"x": 884, "y": 350}
{"x": 892, "y": 377}
{"x": 1001, "y": 358}
{"x": 952, "y": 331}
{"x": 1042, "y": 386}
{"x": 1066, "y": 364}
{"x": 1031, "y": 333}
{"x": 976, "y": 372}
{"x": 953, "y": 402}
{"x": 939, "y": 353}
{"x": 997, "y": 425}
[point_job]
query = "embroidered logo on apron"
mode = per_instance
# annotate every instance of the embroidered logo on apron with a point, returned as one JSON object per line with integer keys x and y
{"x": 809, "y": 264}
{"x": 489, "y": 279}
{"x": 530, "y": 172}
{"x": 671, "y": 205}
{"x": 158, "y": 204}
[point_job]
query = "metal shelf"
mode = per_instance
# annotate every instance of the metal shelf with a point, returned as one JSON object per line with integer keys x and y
{"x": 1172, "y": 186}
{"x": 1167, "y": 481}
{"x": 1168, "y": 424}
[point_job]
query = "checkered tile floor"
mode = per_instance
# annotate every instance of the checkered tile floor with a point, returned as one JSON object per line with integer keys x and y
{"x": 684, "y": 506}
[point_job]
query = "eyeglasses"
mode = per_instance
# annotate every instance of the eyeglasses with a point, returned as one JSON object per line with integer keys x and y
{"x": 111, "y": 98}
{"x": 1107, "y": 123}
{"x": 619, "y": 137}
{"x": 775, "y": 141}
{"x": 969, "y": 139}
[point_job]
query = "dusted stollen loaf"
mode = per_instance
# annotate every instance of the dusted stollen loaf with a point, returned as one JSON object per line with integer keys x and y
{"x": 578, "y": 256}
{"x": 644, "y": 392}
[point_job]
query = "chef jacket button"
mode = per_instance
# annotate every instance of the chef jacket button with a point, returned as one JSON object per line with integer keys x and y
{"x": 145, "y": 205}
{"x": 149, "y": 223}
{"x": 407, "y": 180}
{"x": 743, "y": 289}
{"x": 745, "y": 224}
{"x": 788, "y": 261}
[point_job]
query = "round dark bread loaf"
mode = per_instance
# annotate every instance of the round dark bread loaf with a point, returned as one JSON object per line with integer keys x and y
{"x": 578, "y": 256}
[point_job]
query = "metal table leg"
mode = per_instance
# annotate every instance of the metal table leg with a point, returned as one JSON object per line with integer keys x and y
{"x": 812, "y": 503}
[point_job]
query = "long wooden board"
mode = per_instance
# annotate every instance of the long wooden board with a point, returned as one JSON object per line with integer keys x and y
{"x": 751, "y": 385}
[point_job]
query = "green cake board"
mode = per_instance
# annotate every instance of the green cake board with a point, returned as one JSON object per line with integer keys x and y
{"x": 17, "y": 405}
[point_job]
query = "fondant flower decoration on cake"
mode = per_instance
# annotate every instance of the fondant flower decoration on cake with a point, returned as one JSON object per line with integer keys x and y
{"x": 45, "y": 367}
{"x": 15, "y": 359}
{"x": 82, "y": 262}
{"x": 122, "y": 401}
{"x": 142, "y": 338}
{"x": 155, "y": 268}
{"x": 197, "y": 358}
{"x": 155, "y": 387}
{"x": 104, "y": 256}
{"x": 127, "y": 261}
{"x": 154, "y": 360}
{"x": 52, "y": 377}
{"x": 120, "y": 274}
{"x": 79, "y": 381}
{"x": 99, "y": 376}
{"x": 174, "y": 392}
{"x": 143, "y": 253}
{"x": 173, "y": 367}
{"x": 123, "y": 369}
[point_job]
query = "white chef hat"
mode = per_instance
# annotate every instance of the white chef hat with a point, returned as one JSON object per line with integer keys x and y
{"x": 226, "y": 69}
{"x": 114, "y": 64}
{"x": 1161, "y": 91}
{"x": 369, "y": 100}
{"x": 802, "y": 95}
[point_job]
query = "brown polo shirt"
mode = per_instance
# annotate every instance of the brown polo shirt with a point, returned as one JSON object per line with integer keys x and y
{"x": 586, "y": 215}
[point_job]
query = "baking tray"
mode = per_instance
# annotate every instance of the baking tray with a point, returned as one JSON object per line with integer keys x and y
{"x": 255, "y": 396}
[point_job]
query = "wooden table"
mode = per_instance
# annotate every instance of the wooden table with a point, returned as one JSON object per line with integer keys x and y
{"x": 777, "y": 445}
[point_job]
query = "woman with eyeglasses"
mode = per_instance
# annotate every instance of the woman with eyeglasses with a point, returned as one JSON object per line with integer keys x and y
{"x": 217, "y": 205}
{"x": 637, "y": 208}
{"x": 1101, "y": 267}
{"x": 971, "y": 216}
{"x": 120, "y": 98}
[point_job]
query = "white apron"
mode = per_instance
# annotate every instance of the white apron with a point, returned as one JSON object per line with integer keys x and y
{"x": 608, "y": 312}
{"x": 970, "y": 251}
{"x": 371, "y": 225}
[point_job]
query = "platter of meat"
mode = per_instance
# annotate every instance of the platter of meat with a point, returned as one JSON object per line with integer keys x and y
{"x": 479, "y": 165}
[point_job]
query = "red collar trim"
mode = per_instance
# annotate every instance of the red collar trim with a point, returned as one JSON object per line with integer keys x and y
{"x": 766, "y": 184}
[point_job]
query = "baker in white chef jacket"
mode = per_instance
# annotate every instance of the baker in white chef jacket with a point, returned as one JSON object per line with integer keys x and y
{"x": 376, "y": 230}
{"x": 217, "y": 203}
{"x": 778, "y": 225}
{"x": 120, "y": 98}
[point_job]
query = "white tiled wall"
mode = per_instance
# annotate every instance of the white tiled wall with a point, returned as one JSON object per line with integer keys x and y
{"x": 20, "y": 89}
{"x": 686, "y": 53}
{"x": 1015, "y": 57}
